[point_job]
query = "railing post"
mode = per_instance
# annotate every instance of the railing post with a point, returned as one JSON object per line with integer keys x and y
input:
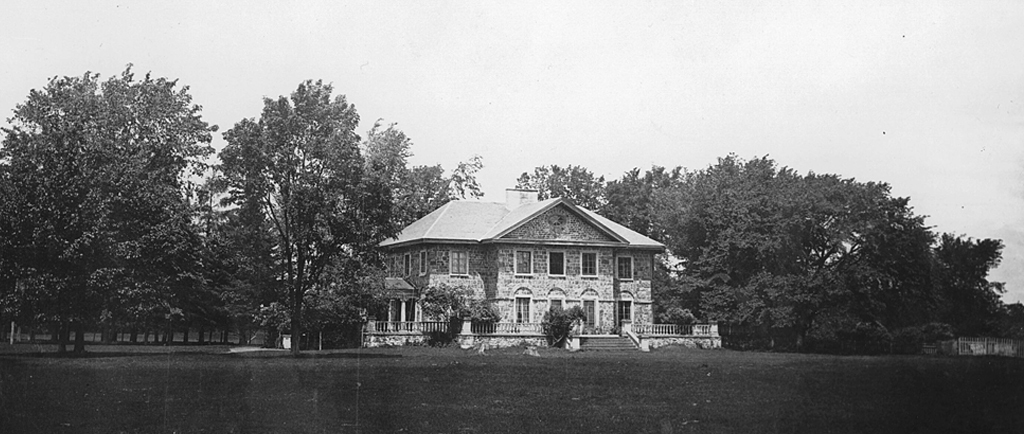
{"x": 714, "y": 329}
{"x": 371, "y": 326}
{"x": 467, "y": 327}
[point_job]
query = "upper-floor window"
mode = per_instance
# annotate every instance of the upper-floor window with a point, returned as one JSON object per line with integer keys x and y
{"x": 423, "y": 262}
{"x": 625, "y": 269}
{"x": 556, "y": 263}
{"x": 460, "y": 263}
{"x": 407, "y": 264}
{"x": 524, "y": 262}
{"x": 588, "y": 264}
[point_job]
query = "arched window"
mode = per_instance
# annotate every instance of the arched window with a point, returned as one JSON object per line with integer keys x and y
{"x": 590, "y": 307}
{"x": 523, "y": 299}
{"x": 556, "y": 299}
{"x": 624, "y": 308}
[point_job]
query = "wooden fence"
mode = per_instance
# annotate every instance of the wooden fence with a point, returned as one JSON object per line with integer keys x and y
{"x": 988, "y": 347}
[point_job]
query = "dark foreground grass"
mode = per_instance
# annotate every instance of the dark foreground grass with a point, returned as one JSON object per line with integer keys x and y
{"x": 424, "y": 390}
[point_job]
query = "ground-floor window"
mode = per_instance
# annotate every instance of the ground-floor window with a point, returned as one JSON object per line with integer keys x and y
{"x": 624, "y": 311}
{"x": 522, "y": 309}
{"x": 590, "y": 309}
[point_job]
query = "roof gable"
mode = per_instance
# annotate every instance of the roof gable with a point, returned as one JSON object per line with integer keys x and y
{"x": 555, "y": 220}
{"x": 559, "y": 223}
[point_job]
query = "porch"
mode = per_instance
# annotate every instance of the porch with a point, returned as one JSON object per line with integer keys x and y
{"x": 644, "y": 336}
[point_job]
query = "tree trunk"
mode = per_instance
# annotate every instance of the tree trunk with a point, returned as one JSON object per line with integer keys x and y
{"x": 296, "y": 320}
{"x": 133, "y": 336}
{"x": 62, "y": 338}
{"x": 184, "y": 335}
{"x": 79, "y": 338}
{"x": 202, "y": 339}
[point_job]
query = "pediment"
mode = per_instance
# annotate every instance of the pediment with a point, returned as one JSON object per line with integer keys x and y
{"x": 560, "y": 223}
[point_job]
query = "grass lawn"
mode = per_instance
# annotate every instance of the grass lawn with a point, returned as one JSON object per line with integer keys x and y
{"x": 429, "y": 390}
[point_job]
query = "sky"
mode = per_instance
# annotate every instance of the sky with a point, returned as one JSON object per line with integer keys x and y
{"x": 927, "y": 96}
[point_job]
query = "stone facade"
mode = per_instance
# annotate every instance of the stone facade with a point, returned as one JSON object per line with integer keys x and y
{"x": 492, "y": 275}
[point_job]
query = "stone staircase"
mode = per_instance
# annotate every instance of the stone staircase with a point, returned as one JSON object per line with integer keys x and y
{"x": 606, "y": 343}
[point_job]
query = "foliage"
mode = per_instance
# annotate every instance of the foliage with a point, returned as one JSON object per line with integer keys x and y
{"x": 95, "y": 181}
{"x": 558, "y": 324}
{"x": 301, "y": 165}
{"x": 416, "y": 191}
{"x": 678, "y": 316}
{"x": 444, "y": 301}
{"x": 970, "y": 302}
{"x": 575, "y": 183}
{"x": 484, "y": 312}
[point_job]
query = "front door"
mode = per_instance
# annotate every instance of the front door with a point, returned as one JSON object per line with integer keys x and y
{"x": 590, "y": 309}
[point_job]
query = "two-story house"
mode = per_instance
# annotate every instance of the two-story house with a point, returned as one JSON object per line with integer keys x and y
{"x": 527, "y": 256}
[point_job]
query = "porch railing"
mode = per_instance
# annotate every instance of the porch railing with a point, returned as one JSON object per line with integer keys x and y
{"x": 406, "y": 326}
{"x": 675, "y": 329}
{"x": 505, "y": 328}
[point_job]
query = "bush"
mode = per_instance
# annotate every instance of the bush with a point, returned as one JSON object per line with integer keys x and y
{"x": 558, "y": 324}
{"x": 907, "y": 340}
{"x": 677, "y": 316}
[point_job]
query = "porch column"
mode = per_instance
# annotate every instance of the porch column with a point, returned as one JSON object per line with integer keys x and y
{"x": 402, "y": 318}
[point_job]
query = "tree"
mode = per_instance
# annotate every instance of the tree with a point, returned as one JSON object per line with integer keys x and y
{"x": 635, "y": 200}
{"x": 767, "y": 247}
{"x": 575, "y": 183}
{"x": 301, "y": 163}
{"x": 970, "y": 302}
{"x": 96, "y": 181}
{"x": 418, "y": 190}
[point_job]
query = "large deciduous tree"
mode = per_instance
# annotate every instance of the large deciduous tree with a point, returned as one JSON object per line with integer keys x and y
{"x": 96, "y": 186}
{"x": 417, "y": 190}
{"x": 575, "y": 183}
{"x": 301, "y": 164}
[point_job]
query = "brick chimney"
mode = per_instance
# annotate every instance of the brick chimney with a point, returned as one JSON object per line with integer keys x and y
{"x": 516, "y": 197}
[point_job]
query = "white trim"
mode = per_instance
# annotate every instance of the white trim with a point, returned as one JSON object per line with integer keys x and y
{"x": 452, "y": 254}
{"x": 632, "y": 268}
{"x": 591, "y": 295}
{"x": 549, "y": 252}
{"x": 523, "y": 293}
{"x": 597, "y": 263}
{"x": 515, "y": 262}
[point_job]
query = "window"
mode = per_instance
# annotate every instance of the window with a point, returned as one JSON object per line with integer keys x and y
{"x": 407, "y": 264}
{"x": 524, "y": 262}
{"x": 625, "y": 311}
{"x": 625, "y": 268}
{"x": 555, "y": 304}
{"x": 588, "y": 264}
{"x": 522, "y": 309}
{"x": 423, "y": 263}
{"x": 590, "y": 309}
{"x": 556, "y": 263}
{"x": 460, "y": 263}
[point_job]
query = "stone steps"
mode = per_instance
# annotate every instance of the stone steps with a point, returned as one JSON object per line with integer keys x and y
{"x": 611, "y": 343}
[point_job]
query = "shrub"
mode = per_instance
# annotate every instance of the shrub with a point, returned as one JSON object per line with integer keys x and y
{"x": 907, "y": 340}
{"x": 677, "y": 316}
{"x": 558, "y": 324}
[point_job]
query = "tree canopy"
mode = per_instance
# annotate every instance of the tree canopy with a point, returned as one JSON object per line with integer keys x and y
{"x": 97, "y": 191}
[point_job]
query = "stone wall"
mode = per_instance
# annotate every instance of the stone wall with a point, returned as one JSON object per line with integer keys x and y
{"x": 558, "y": 223}
{"x": 498, "y": 341}
{"x": 380, "y": 340}
{"x": 688, "y": 342}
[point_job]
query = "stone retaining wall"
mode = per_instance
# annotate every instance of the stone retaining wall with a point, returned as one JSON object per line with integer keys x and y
{"x": 703, "y": 342}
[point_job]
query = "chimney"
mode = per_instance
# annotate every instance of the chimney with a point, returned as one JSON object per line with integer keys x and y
{"x": 515, "y": 197}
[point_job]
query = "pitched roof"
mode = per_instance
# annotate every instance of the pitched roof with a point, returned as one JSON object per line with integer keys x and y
{"x": 476, "y": 222}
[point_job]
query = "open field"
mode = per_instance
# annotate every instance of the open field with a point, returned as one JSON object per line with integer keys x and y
{"x": 427, "y": 390}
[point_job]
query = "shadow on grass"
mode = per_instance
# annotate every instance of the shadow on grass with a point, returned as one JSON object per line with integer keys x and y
{"x": 86, "y": 355}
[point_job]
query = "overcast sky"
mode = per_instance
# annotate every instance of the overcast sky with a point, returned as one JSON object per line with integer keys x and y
{"x": 927, "y": 96}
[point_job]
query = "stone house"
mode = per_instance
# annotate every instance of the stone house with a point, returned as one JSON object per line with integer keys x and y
{"x": 526, "y": 256}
